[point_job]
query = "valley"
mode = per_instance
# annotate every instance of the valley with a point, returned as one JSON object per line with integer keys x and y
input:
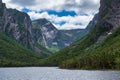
{"x": 40, "y": 43}
{"x": 54, "y": 43}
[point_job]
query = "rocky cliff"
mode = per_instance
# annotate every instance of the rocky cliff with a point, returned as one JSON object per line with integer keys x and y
{"x": 48, "y": 31}
{"x": 53, "y": 39}
{"x": 92, "y": 23}
{"x": 18, "y": 25}
{"x": 13, "y": 33}
{"x": 109, "y": 16}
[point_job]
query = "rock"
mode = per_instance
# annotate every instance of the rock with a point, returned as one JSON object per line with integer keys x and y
{"x": 18, "y": 25}
{"x": 47, "y": 35}
{"x": 110, "y": 13}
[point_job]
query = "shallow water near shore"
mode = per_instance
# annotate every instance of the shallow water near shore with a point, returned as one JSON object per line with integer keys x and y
{"x": 54, "y": 73}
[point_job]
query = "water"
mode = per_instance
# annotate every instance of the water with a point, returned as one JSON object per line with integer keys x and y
{"x": 53, "y": 73}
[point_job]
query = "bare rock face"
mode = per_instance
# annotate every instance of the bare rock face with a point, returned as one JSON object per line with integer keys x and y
{"x": 92, "y": 23}
{"x": 17, "y": 25}
{"x": 2, "y": 17}
{"x": 110, "y": 14}
{"x": 46, "y": 34}
{"x": 0, "y": 1}
{"x": 108, "y": 19}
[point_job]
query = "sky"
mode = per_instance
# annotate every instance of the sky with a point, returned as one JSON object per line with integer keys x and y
{"x": 64, "y": 14}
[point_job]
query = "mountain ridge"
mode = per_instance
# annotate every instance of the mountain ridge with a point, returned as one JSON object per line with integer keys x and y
{"x": 97, "y": 50}
{"x": 54, "y": 39}
{"x": 17, "y": 47}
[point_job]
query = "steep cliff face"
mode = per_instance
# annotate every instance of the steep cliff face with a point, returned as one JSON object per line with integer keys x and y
{"x": 18, "y": 25}
{"x": 47, "y": 35}
{"x": 48, "y": 31}
{"x": 92, "y": 23}
{"x": 23, "y": 34}
{"x": 3, "y": 11}
{"x": 109, "y": 15}
{"x": 12, "y": 53}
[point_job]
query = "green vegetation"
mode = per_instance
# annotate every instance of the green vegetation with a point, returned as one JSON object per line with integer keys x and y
{"x": 62, "y": 37}
{"x": 14, "y": 54}
{"x": 105, "y": 55}
{"x": 100, "y": 55}
{"x": 97, "y": 50}
{"x": 53, "y": 49}
{"x": 44, "y": 52}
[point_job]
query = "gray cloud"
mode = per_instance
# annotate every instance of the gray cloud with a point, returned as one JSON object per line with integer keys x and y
{"x": 24, "y": 2}
{"x": 79, "y": 6}
{"x": 86, "y": 6}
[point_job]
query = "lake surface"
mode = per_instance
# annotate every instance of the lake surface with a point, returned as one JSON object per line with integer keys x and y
{"x": 53, "y": 73}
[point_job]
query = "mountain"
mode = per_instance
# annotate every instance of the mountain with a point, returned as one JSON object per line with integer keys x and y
{"x": 17, "y": 46}
{"x": 22, "y": 38}
{"x": 44, "y": 32}
{"x": 92, "y": 23}
{"x": 63, "y": 54}
{"x": 53, "y": 39}
{"x": 99, "y": 49}
{"x": 12, "y": 54}
{"x": 18, "y": 25}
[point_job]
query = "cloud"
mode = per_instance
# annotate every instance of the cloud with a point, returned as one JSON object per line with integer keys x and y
{"x": 70, "y": 22}
{"x": 24, "y": 2}
{"x": 84, "y": 9}
{"x": 69, "y": 26}
{"x": 12, "y": 5}
{"x": 79, "y": 6}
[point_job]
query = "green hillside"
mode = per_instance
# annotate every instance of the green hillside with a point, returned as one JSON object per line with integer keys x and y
{"x": 83, "y": 54}
{"x": 13, "y": 54}
{"x": 101, "y": 55}
{"x": 99, "y": 49}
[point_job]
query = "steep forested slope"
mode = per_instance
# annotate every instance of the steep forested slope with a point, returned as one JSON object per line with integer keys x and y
{"x": 100, "y": 48}
{"x": 14, "y": 54}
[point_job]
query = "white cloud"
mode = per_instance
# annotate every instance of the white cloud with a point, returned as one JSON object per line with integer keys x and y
{"x": 12, "y": 5}
{"x": 76, "y": 22}
{"x": 79, "y": 6}
{"x": 72, "y": 22}
{"x": 68, "y": 26}
{"x": 89, "y": 7}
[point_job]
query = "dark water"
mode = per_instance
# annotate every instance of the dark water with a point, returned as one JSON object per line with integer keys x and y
{"x": 53, "y": 73}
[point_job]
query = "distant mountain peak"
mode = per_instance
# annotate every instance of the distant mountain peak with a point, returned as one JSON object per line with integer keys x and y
{"x": 43, "y": 20}
{"x": 45, "y": 23}
{"x": 52, "y": 37}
